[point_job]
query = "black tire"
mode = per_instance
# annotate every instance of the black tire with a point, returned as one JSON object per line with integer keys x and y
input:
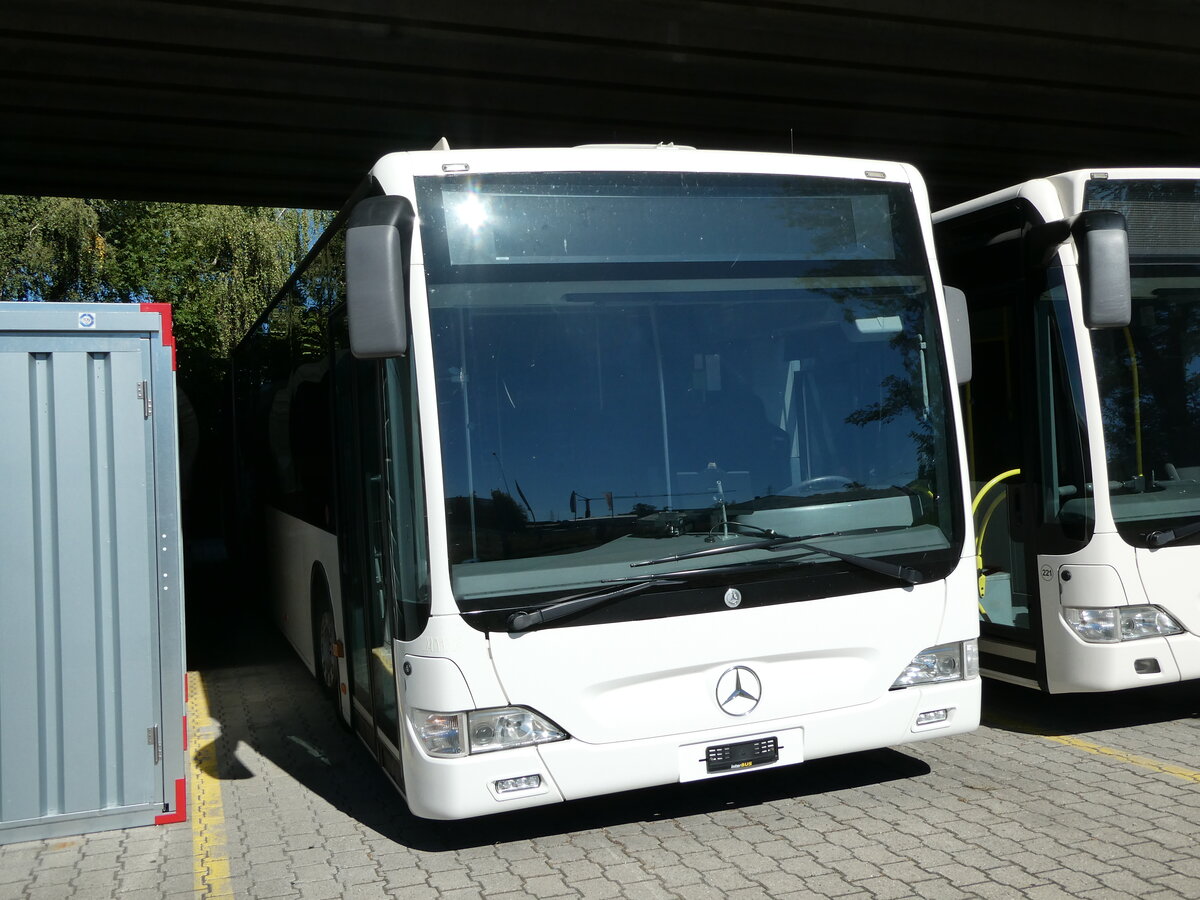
{"x": 325, "y": 661}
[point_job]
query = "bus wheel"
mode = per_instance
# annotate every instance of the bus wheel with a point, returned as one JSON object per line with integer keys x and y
{"x": 325, "y": 659}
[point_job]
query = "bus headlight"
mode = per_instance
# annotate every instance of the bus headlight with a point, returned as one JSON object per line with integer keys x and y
{"x": 946, "y": 662}
{"x": 503, "y": 729}
{"x": 1110, "y": 625}
{"x": 441, "y": 734}
{"x": 482, "y": 730}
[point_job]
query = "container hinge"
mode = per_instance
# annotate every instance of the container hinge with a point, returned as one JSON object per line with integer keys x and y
{"x": 154, "y": 739}
{"x": 143, "y": 392}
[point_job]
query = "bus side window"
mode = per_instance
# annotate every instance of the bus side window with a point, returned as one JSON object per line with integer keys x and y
{"x": 1066, "y": 498}
{"x": 406, "y": 519}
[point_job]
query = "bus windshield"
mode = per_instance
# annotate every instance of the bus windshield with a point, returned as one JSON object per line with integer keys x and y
{"x": 1149, "y": 373}
{"x": 631, "y": 366}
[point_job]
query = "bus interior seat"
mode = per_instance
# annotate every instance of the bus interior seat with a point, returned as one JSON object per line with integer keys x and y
{"x": 1182, "y": 473}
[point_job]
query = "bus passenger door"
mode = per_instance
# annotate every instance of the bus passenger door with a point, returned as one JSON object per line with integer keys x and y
{"x": 1029, "y": 462}
{"x": 1001, "y": 436}
{"x": 1022, "y": 428}
{"x": 367, "y": 580}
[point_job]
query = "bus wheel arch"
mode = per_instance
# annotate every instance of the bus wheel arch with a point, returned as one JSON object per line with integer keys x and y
{"x": 325, "y": 640}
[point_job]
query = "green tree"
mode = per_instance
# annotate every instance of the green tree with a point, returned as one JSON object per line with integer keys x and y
{"x": 51, "y": 248}
{"x": 217, "y": 266}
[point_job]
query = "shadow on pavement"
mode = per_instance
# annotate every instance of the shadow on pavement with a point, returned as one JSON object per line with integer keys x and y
{"x": 1017, "y": 709}
{"x": 677, "y": 801}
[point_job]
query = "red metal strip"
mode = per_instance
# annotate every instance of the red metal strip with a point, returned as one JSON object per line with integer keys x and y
{"x": 168, "y": 335}
{"x": 180, "y": 814}
{"x": 185, "y": 734}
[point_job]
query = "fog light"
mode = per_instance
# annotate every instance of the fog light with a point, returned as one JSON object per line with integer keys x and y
{"x": 524, "y": 783}
{"x": 934, "y": 715}
{"x": 1147, "y": 666}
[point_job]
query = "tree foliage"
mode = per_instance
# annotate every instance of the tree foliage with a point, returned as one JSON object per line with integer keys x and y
{"x": 217, "y": 266}
{"x": 50, "y": 248}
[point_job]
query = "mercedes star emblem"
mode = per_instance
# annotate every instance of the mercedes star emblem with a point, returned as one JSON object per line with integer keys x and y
{"x": 738, "y": 691}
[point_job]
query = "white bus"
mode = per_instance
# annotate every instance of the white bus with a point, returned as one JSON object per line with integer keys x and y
{"x": 1083, "y": 422}
{"x": 592, "y": 469}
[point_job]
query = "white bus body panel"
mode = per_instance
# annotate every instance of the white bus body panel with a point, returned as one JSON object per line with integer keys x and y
{"x": 295, "y": 548}
{"x": 631, "y": 680}
{"x": 1169, "y": 577}
{"x": 1111, "y": 573}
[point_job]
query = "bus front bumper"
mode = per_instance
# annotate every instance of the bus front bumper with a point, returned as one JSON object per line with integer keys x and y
{"x": 488, "y": 783}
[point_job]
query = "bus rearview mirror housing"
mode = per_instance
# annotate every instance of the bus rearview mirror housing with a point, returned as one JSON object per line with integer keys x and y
{"x": 1102, "y": 242}
{"x": 378, "y": 249}
{"x": 960, "y": 331}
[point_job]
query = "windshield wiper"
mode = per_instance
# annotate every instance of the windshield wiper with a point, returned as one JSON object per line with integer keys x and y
{"x": 904, "y": 573}
{"x": 1171, "y": 535}
{"x": 568, "y": 606}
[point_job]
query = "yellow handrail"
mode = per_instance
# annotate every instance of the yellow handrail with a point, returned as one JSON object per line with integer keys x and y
{"x": 991, "y": 484}
{"x": 980, "y": 494}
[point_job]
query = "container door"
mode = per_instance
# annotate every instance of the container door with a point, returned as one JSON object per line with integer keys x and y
{"x": 80, "y": 704}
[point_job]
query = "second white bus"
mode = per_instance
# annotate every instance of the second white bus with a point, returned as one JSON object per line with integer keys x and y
{"x": 1084, "y": 424}
{"x": 591, "y": 469}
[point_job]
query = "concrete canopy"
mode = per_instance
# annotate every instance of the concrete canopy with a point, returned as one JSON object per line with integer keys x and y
{"x": 288, "y": 102}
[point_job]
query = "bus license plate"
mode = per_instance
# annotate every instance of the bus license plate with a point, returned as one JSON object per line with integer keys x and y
{"x": 743, "y": 755}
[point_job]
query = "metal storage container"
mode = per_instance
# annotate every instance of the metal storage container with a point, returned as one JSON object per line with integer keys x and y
{"x": 93, "y": 732}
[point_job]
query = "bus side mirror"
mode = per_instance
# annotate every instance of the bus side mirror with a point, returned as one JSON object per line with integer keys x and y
{"x": 378, "y": 248}
{"x": 960, "y": 331}
{"x": 1103, "y": 245}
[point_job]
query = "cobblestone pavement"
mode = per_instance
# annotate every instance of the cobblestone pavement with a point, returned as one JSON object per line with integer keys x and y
{"x": 1094, "y": 797}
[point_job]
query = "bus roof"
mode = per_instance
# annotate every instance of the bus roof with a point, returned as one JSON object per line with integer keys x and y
{"x": 626, "y": 157}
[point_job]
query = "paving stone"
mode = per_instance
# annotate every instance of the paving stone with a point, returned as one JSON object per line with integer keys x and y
{"x": 498, "y": 882}
{"x": 371, "y": 890}
{"x": 328, "y": 889}
{"x": 885, "y": 888}
{"x": 57, "y": 876}
{"x": 776, "y": 883}
{"x": 647, "y": 890}
{"x": 424, "y": 892}
{"x": 830, "y": 886}
{"x": 86, "y": 879}
{"x": 994, "y": 891}
{"x": 938, "y": 889}
{"x": 453, "y": 880}
{"x": 597, "y": 889}
{"x": 141, "y": 894}
{"x": 699, "y": 892}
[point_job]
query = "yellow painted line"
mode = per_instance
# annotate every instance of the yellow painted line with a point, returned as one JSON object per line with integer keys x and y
{"x": 209, "y": 851}
{"x": 1142, "y": 762}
